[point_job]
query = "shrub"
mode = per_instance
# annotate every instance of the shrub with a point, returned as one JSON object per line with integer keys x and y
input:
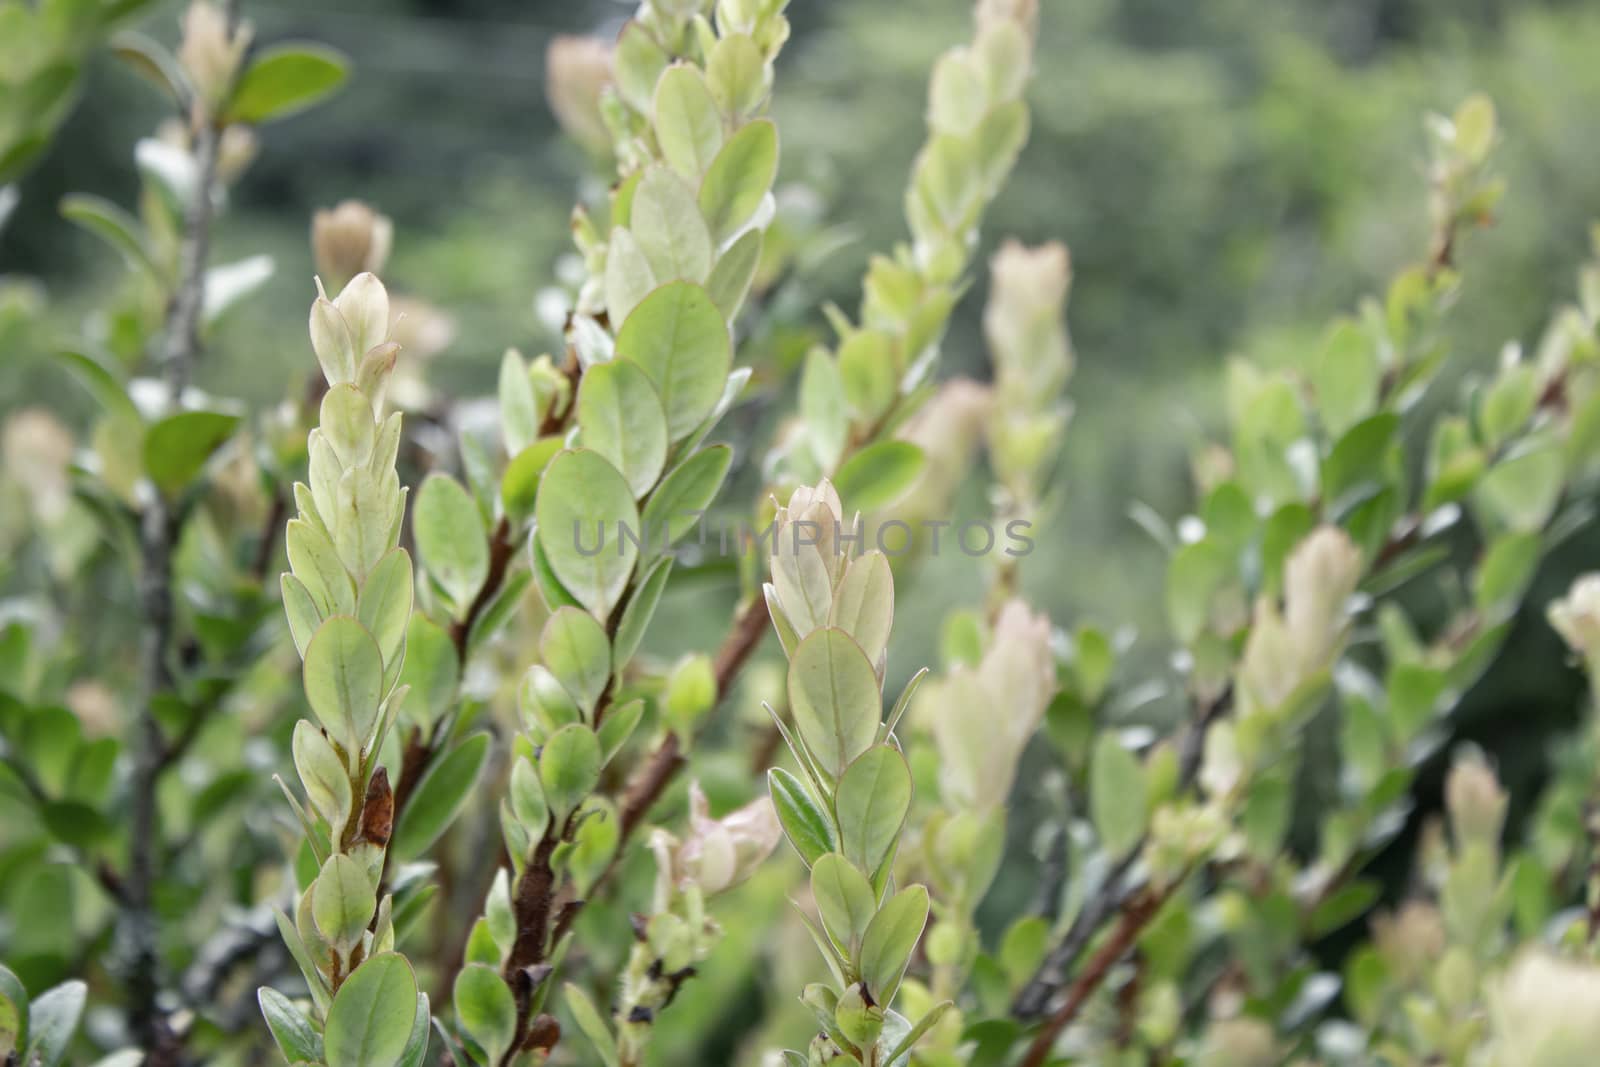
{"x": 484, "y": 750}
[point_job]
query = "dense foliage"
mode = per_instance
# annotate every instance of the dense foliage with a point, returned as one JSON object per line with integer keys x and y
{"x": 375, "y": 725}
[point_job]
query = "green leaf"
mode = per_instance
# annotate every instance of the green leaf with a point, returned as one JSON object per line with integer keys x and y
{"x": 863, "y": 604}
{"x": 1117, "y": 796}
{"x": 1521, "y": 491}
{"x": 343, "y": 901}
{"x": 1345, "y": 374}
{"x": 10, "y": 1026}
{"x": 344, "y": 680}
{"x": 906, "y": 1043}
{"x": 679, "y": 503}
{"x": 519, "y": 486}
{"x": 678, "y": 338}
{"x": 417, "y": 1044}
{"x": 301, "y": 609}
{"x": 431, "y": 670}
{"x": 878, "y": 475}
{"x": 687, "y": 124}
{"x": 666, "y": 222}
{"x": 519, "y": 408}
{"x": 177, "y": 447}
{"x": 286, "y": 79}
{"x": 873, "y": 798}
{"x": 867, "y": 370}
{"x": 804, "y": 820}
{"x": 52, "y": 1018}
{"x": 576, "y": 650}
{"x": 822, "y": 409}
{"x": 844, "y": 900}
{"x": 628, "y": 276}
{"x": 451, "y": 540}
{"x": 384, "y": 604}
{"x": 620, "y": 416}
{"x": 569, "y": 767}
{"x": 740, "y": 176}
{"x": 618, "y": 727}
{"x": 13, "y": 992}
{"x": 527, "y": 797}
{"x": 323, "y": 774}
{"x": 730, "y": 278}
{"x": 637, "y": 615}
{"x": 833, "y": 691}
{"x": 1343, "y": 906}
{"x": 890, "y": 940}
{"x": 545, "y": 704}
{"x": 297, "y": 1039}
{"x": 592, "y": 1023}
{"x": 1504, "y": 573}
{"x": 112, "y": 225}
{"x": 440, "y": 796}
{"x": 588, "y": 528}
{"x": 638, "y": 65}
{"x": 370, "y": 1022}
{"x": 106, "y": 388}
{"x": 1194, "y": 576}
{"x": 485, "y": 1009}
{"x": 737, "y": 74}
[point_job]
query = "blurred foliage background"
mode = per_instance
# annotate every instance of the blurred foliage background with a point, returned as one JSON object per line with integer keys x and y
{"x": 1228, "y": 175}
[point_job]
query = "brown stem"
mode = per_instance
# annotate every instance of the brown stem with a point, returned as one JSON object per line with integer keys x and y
{"x": 662, "y": 765}
{"x": 1114, "y": 893}
{"x": 1135, "y": 917}
{"x": 533, "y": 905}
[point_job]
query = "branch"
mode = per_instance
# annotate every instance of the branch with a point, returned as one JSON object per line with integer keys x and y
{"x": 159, "y": 530}
{"x": 1115, "y": 893}
{"x": 662, "y": 766}
{"x": 1141, "y": 909}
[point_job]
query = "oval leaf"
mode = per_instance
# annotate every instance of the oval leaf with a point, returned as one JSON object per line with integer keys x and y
{"x": 620, "y": 416}
{"x": 878, "y": 475}
{"x": 740, "y": 176}
{"x": 680, "y": 501}
{"x": 678, "y": 337}
{"x": 485, "y": 1009}
{"x": 344, "y": 680}
{"x": 891, "y": 939}
{"x": 833, "y": 691}
{"x": 588, "y": 528}
{"x": 873, "y": 798}
{"x": 370, "y": 1021}
{"x": 844, "y": 900}
{"x": 451, "y": 540}
{"x": 286, "y": 79}
{"x": 569, "y": 767}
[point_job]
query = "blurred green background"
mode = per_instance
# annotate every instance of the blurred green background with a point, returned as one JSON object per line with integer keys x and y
{"x": 1228, "y": 175}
